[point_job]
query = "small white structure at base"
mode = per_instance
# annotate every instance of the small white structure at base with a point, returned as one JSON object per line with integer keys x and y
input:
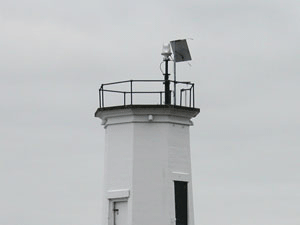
{"x": 147, "y": 165}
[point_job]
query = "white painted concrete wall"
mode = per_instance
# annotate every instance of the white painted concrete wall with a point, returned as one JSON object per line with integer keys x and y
{"x": 118, "y": 162}
{"x": 143, "y": 158}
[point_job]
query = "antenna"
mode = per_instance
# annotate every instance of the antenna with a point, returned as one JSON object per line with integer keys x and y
{"x": 181, "y": 54}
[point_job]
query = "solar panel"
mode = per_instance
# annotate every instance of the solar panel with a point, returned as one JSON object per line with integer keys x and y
{"x": 180, "y": 50}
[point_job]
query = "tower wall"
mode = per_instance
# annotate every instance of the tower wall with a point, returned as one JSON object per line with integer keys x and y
{"x": 118, "y": 167}
{"x": 146, "y": 150}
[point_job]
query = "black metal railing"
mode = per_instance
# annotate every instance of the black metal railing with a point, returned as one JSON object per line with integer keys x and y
{"x": 128, "y": 92}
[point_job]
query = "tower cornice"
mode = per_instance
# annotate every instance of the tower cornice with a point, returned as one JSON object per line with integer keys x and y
{"x": 147, "y": 113}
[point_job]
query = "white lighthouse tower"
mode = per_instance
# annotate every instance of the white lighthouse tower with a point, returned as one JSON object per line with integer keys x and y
{"x": 147, "y": 150}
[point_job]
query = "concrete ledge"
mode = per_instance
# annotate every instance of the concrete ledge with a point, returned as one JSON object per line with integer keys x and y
{"x": 193, "y": 111}
{"x": 123, "y": 193}
{"x": 142, "y": 113}
{"x": 178, "y": 176}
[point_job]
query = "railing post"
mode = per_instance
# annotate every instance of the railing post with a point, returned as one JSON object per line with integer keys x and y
{"x": 102, "y": 96}
{"x": 131, "y": 92}
{"x": 124, "y": 98}
{"x": 190, "y": 96}
{"x": 174, "y": 86}
{"x": 99, "y": 98}
{"x": 160, "y": 97}
{"x": 193, "y": 96}
{"x": 180, "y": 97}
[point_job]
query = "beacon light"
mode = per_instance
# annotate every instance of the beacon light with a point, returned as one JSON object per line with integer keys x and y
{"x": 166, "y": 50}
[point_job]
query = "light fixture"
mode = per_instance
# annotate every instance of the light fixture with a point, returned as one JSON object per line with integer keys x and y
{"x": 166, "y": 51}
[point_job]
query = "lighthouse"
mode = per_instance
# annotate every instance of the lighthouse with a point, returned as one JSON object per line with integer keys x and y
{"x": 147, "y": 176}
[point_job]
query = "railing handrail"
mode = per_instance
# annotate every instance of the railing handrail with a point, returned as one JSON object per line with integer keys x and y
{"x": 131, "y": 91}
{"x": 128, "y": 81}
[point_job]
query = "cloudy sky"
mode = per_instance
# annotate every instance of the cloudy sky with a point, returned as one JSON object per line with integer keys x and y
{"x": 245, "y": 143}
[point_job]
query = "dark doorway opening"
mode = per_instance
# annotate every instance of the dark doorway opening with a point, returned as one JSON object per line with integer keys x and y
{"x": 181, "y": 202}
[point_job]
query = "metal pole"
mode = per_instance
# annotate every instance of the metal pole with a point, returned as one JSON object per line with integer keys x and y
{"x": 167, "y": 83}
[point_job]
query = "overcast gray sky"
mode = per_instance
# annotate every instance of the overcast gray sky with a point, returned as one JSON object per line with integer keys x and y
{"x": 245, "y": 143}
